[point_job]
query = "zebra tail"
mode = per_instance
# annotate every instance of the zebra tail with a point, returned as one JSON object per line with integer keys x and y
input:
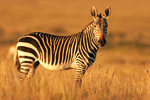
{"x": 16, "y": 60}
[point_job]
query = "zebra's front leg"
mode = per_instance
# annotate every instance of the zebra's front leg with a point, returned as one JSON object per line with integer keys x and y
{"x": 79, "y": 75}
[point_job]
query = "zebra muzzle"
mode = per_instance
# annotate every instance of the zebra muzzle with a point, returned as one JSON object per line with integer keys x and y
{"x": 101, "y": 39}
{"x": 102, "y": 42}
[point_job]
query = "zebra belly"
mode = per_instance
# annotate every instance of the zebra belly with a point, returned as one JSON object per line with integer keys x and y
{"x": 66, "y": 66}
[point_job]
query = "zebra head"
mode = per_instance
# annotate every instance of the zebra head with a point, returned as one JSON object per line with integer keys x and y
{"x": 100, "y": 24}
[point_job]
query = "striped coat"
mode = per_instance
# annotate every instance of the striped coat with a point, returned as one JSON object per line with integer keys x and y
{"x": 62, "y": 52}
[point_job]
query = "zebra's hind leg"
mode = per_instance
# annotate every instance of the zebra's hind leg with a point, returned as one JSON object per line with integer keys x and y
{"x": 27, "y": 69}
{"x": 32, "y": 70}
{"x": 24, "y": 70}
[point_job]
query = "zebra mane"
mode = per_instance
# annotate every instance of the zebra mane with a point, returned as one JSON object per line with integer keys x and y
{"x": 88, "y": 24}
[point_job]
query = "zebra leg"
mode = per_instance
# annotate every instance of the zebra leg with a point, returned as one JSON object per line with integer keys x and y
{"x": 24, "y": 70}
{"x": 79, "y": 75}
{"x": 32, "y": 70}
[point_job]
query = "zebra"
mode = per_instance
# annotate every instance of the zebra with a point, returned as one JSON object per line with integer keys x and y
{"x": 77, "y": 51}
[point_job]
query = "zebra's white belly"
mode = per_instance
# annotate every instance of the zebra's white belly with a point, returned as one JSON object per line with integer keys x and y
{"x": 60, "y": 66}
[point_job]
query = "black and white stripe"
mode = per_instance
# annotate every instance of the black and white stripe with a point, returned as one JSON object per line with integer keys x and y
{"x": 61, "y": 52}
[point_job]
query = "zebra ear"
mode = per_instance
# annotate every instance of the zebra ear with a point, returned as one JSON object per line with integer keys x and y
{"x": 107, "y": 12}
{"x": 94, "y": 12}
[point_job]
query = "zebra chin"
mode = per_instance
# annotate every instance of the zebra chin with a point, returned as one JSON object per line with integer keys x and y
{"x": 102, "y": 42}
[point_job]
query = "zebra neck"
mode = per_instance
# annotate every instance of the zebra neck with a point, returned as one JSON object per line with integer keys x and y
{"x": 89, "y": 40}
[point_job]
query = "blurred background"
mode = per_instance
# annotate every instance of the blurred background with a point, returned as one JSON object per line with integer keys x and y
{"x": 128, "y": 38}
{"x": 121, "y": 70}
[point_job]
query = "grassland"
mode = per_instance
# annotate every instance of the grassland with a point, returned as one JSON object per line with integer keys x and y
{"x": 121, "y": 70}
{"x": 113, "y": 82}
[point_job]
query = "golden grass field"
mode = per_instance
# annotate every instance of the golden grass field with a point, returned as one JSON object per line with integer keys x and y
{"x": 121, "y": 70}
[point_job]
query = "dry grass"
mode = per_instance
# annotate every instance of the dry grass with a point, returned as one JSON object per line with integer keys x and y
{"x": 121, "y": 69}
{"x": 99, "y": 83}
